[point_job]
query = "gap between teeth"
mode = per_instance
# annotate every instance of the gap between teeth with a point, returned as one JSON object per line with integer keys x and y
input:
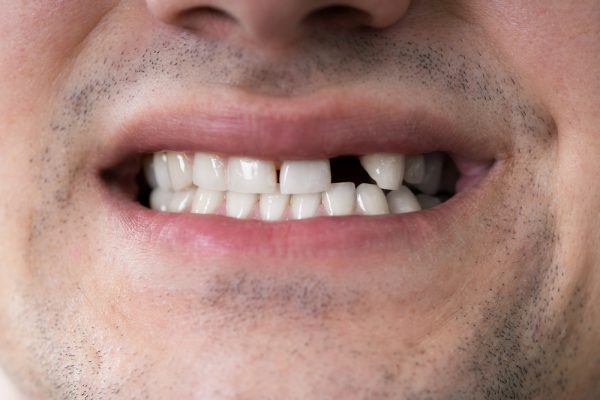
{"x": 242, "y": 187}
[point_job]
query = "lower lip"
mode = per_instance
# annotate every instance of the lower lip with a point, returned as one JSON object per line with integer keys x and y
{"x": 195, "y": 237}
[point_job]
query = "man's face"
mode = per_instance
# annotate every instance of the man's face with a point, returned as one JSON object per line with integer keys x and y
{"x": 491, "y": 294}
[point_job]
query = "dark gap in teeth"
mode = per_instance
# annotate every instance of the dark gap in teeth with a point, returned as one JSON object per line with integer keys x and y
{"x": 348, "y": 169}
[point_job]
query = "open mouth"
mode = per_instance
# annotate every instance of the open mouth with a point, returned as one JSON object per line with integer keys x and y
{"x": 249, "y": 188}
{"x": 212, "y": 185}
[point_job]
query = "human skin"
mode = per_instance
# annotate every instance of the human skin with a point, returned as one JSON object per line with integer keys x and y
{"x": 501, "y": 304}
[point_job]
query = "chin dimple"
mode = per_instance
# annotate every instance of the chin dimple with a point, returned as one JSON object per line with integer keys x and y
{"x": 249, "y": 188}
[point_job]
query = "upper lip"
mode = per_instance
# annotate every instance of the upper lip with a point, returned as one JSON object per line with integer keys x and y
{"x": 299, "y": 128}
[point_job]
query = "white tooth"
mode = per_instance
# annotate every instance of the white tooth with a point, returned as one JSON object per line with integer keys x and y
{"x": 387, "y": 170}
{"x": 210, "y": 171}
{"x": 340, "y": 199}
{"x": 160, "y": 199}
{"x": 161, "y": 170}
{"x": 426, "y": 201}
{"x": 305, "y": 177}
{"x": 207, "y": 201}
{"x": 248, "y": 175}
{"x": 415, "y": 169}
{"x": 273, "y": 206}
{"x": 149, "y": 171}
{"x": 371, "y": 200}
{"x": 181, "y": 201}
{"x": 305, "y": 205}
{"x": 433, "y": 174}
{"x": 240, "y": 205}
{"x": 402, "y": 201}
{"x": 180, "y": 170}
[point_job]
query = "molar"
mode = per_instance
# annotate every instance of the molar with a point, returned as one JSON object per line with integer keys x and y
{"x": 180, "y": 170}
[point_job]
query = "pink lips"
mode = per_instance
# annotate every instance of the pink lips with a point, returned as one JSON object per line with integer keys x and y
{"x": 289, "y": 132}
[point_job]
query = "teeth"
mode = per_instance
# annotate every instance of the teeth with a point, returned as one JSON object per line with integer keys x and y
{"x": 433, "y": 174}
{"x": 340, "y": 199}
{"x": 427, "y": 201}
{"x": 371, "y": 200}
{"x": 210, "y": 171}
{"x": 207, "y": 201}
{"x": 273, "y": 206}
{"x": 240, "y": 205}
{"x": 415, "y": 169}
{"x": 160, "y": 162}
{"x": 149, "y": 172}
{"x": 402, "y": 201}
{"x": 247, "y": 175}
{"x": 160, "y": 199}
{"x": 305, "y": 177}
{"x": 181, "y": 201}
{"x": 180, "y": 170}
{"x": 305, "y": 205}
{"x": 387, "y": 170}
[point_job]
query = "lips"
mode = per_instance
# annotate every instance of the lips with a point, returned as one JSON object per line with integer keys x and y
{"x": 290, "y": 129}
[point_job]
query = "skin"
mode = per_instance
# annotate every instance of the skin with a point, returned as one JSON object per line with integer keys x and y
{"x": 505, "y": 306}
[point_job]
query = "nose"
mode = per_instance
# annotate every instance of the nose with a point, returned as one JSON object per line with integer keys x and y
{"x": 277, "y": 21}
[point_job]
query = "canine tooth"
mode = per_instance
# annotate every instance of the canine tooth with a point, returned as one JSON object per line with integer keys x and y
{"x": 160, "y": 199}
{"x": 248, "y": 175}
{"x": 273, "y": 206}
{"x": 433, "y": 174}
{"x": 340, "y": 199}
{"x": 305, "y": 205}
{"x": 371, "y": 200}
{"x": 181, "y": 201}
{"x": 240, "y": 205}
{"x": 415, "y": 169}
{"x": 210, "y": 171}
{"x": 402, "y": 201}
{"x": 149, "y": 172}
{"x": 426, "y": 201}
{"x": 305, "y": 177}
{"x": 180, "y": 170}
{"x": 207, "y": 201}
{"x": 387, "y": 170}
{"x": 161, "y": 170}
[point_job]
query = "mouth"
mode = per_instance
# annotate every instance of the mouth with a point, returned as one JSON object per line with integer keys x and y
{"x": 326, "y": 181}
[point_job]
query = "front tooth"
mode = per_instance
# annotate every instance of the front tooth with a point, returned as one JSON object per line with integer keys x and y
{"x": 402, "y": 201}
{"x": 180, "y": 170}
{"x": 340, "y": 199}
{"x": 149, "y": 171}
{"x": 433, "y": 174}
{"x": 161, "y": 170}
{"x": 426, "y": 201}
{"x": 305, "y": 177}
{"x": 273, "y": 206}
{"x": 240, "y": 205}
{"x": 371, "y": 200}
{"x": 247, "y": 175}
{"x": 210, "y": 171}
{"x": 160, "y": 199}
{"x": 207, "y": 201}
{"x": 387, "y": 170}
{"x": 415, "y": 169}
{"x": 181, "y": 201}
{"x": 305, "y": 205}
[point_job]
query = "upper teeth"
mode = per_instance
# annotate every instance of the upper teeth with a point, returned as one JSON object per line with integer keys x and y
{"x": 243, "y": 187}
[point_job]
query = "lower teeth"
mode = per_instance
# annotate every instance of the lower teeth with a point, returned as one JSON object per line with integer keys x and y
{"x": 202, "y": 183}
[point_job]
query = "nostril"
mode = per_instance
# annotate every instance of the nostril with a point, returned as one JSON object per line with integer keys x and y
{"x": 203, "y": 17}
{"x": 338, "y": 15}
